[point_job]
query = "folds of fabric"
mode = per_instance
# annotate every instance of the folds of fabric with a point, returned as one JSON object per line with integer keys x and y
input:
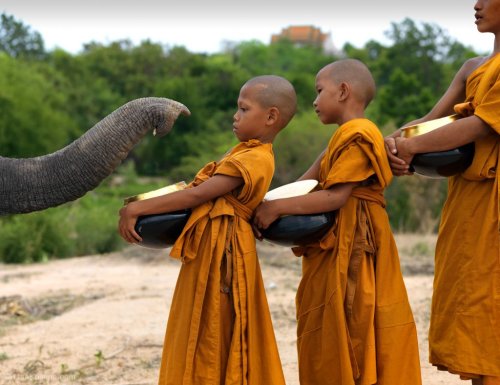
{"x": 218, "y": 242}
{"x": 464, "y": 334}
{"x": 355, "y": 324}
{"x": 483, "y": 100}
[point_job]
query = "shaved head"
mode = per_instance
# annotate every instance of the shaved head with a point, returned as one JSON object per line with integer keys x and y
{"x": 275, "y": 91}
{"x": 356, "y": 74}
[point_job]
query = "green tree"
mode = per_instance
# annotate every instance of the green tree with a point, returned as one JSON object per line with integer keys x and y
{"x": 91, "y": 97}
{"x": 32, "y": 119}
{"x": 412, "y": 72}
{"x": 417, "y": 50}
{"x": 17, "y": 40}
{"x": 297, "y": 64}
{"x": 403, "y": 98}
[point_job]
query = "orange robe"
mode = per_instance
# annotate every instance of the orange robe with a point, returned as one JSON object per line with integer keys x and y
{"x": 464, "y": 334}
{"x": 217, "y": 248}
{"x": 355, "y": 324}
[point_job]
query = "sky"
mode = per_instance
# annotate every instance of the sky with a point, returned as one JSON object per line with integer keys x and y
{"x": 204, "y": 26}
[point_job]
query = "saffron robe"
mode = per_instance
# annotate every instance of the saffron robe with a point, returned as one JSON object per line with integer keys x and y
{"x": 355, "y": 324}
{"x": 218, "y": 239}
{"x": 464, "y": 334}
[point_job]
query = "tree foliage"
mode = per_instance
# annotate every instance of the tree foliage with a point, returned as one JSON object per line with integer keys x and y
{"x": 18, "y": 41}
{"x": 413, "y": 72}
{"x": 32, "y": 119}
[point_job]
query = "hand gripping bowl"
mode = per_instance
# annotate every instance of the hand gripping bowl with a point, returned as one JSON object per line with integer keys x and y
{"x": 443, "y": 163}
{"x": 296, "y": 230}
{"x": 159, "y": 231}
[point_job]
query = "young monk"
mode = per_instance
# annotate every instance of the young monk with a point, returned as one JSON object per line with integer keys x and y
{"x": 219, "y": 329}
{"x": 464, "y": 336}
{"x": 355, "y": 324}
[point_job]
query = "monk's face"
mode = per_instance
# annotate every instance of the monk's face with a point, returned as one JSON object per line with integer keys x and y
{"x": 326, "y": 104}
{"x": 249, "y": 121}
{"x": 488, "y": 15}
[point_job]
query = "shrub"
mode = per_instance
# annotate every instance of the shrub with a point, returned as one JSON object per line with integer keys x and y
{"x": 34, "y": 237}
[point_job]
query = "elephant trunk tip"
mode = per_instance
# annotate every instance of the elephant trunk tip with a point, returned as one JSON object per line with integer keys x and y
{"x": 166, "y": 117}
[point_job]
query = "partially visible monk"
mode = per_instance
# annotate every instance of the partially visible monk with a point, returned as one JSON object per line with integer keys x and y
{"x": 464, "y": 336}
{"x": 355, "y": 324}
{"x": 219, "y": 329}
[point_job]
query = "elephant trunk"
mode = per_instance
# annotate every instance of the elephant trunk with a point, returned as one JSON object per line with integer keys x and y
{"x": 38, "y": 183}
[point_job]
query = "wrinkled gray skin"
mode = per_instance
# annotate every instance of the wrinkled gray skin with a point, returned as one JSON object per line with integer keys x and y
{"x": 34, "y": 184}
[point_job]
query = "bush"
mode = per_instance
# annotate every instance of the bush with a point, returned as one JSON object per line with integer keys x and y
{"x": 95, "y": 225}
{"x": 34, "y": 237}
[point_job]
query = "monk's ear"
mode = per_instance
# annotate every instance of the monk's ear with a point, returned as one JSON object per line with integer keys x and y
{"x": 273, "y": 115}
{"x": 345, "y": 91}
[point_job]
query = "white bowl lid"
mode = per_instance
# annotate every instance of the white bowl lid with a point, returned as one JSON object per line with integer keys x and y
{"x": 293, "y": 189}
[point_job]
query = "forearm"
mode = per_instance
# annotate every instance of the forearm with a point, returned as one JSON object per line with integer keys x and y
{"x": 316, "y": 202}
{"x": 312, "y": 203}
{"x": 453, "y": 135}
{"x": 214, "y": 187}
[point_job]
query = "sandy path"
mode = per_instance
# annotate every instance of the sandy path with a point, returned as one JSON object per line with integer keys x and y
{"x": 101, "y": 319}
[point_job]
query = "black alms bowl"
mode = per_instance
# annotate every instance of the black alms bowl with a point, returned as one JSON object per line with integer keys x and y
{"x": 443, "y": 163}
{"x": 298, "y": 230}
{"x": 160, "y": 231}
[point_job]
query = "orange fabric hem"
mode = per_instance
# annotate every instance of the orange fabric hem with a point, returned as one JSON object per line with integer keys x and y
{"x": 470, "y": 376}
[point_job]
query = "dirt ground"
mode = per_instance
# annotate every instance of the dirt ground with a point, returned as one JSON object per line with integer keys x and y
{"x": 101, "y": 319}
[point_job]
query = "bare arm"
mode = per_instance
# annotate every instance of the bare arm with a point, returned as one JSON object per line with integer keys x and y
{"x": 453, "y": 95}
{"x": 312, "y": 203}
{"x": 453, "y": 135}
{"x": 214, "y": 187}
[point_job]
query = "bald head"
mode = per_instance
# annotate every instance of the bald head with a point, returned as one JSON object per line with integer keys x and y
{"x": 356, "y": 74}
{"x": 275, "y": 91}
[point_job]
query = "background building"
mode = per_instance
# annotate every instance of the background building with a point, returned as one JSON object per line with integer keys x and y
{"x": 302, "y": 35}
